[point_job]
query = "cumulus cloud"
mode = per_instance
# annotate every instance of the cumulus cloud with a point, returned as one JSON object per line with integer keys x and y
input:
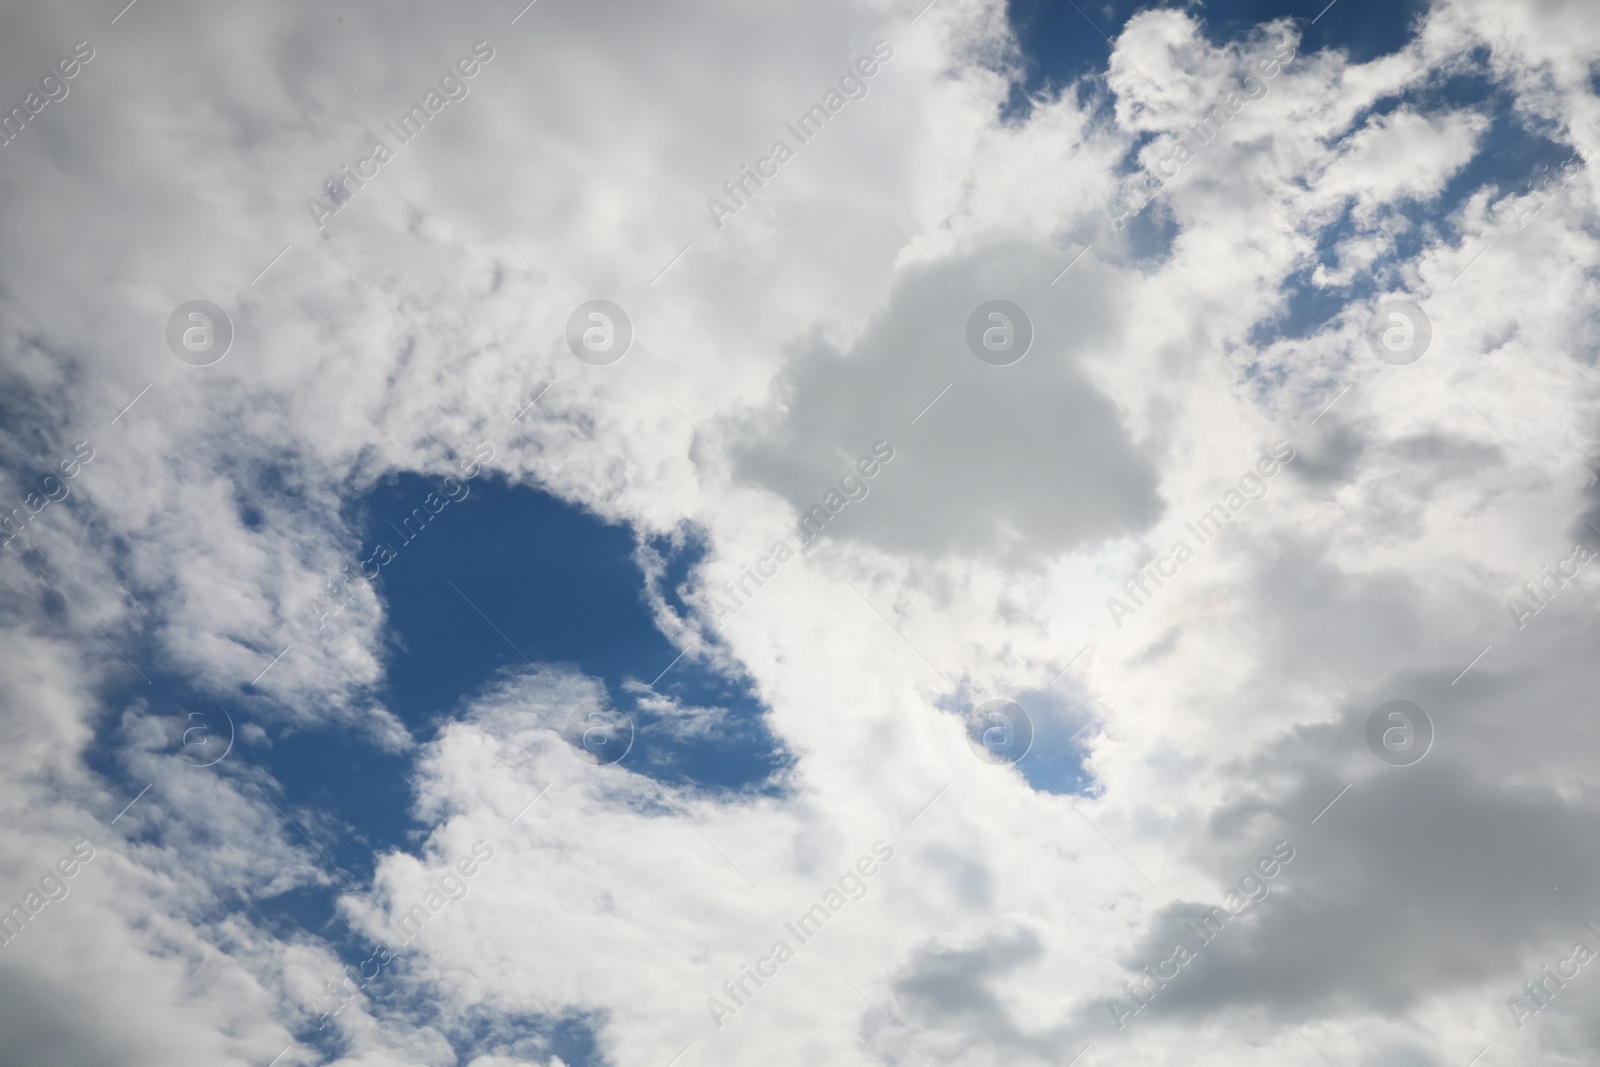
{"x": 1198, "y": 285}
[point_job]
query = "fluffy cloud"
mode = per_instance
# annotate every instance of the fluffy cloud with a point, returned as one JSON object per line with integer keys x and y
{"x": 1169, "y": 353}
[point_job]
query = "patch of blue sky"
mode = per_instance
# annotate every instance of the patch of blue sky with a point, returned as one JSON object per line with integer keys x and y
{"x": 532, "y": 575}
{"x": 1150, "y": 235}
{"x": 1062, "y": 725}
{"x": 1055, "y": 761}
{"x": 511, "y": 578}
{"x": 1513, "y": 153}
{"x": 532, "y": 1038}
{"x": 1064, "y": 43}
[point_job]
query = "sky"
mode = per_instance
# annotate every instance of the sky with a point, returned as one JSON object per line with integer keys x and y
{"x": 683, "y": 532}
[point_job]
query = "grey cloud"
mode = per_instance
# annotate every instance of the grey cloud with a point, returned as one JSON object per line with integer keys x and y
{"x": 1344, "y": 625}
{"x": 1446, "y": 457}
{"x": 1330, "y": 457}
{"x": 1420, "y": 879}
{"x": 1336, "y": 453}
{"x": 42, "y": 1030}
{"x": 1002, "y": 465}
{"x": 950, "y": 989}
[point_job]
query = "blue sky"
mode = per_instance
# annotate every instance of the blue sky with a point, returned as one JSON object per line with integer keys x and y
{"x": 1061, "y": 42}
{"x": 506, "y": 572}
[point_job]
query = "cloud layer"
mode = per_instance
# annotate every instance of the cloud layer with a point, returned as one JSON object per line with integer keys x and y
{"x": 1199, "y": 289}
